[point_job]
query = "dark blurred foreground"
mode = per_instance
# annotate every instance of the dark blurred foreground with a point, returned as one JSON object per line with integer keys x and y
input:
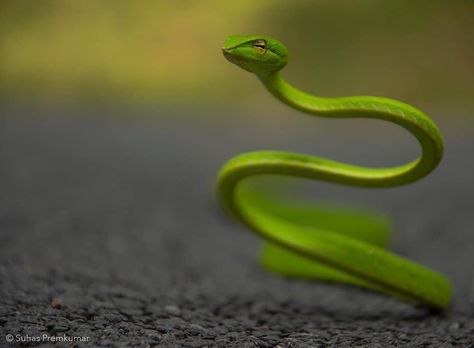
{"x": 116, "y": 219}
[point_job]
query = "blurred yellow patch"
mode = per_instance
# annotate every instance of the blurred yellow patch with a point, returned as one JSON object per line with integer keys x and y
{"x": 160, "y": 51}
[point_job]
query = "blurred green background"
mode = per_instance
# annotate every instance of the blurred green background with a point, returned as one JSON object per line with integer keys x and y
{"x": 155, "y": 52}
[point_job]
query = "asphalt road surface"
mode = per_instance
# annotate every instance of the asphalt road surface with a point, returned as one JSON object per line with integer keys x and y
{"x": 109, "y": 232}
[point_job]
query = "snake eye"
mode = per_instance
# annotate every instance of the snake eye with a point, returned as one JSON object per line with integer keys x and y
{"x": 260, "y": 45}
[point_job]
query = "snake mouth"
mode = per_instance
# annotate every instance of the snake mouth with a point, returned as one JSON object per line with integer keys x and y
{"x": 227, "y": 52}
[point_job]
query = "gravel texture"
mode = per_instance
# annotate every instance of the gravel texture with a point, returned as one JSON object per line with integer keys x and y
{"x": 109, "y": 231}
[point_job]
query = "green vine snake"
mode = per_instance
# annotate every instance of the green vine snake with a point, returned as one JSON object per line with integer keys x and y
{"x": 304, "y": 241}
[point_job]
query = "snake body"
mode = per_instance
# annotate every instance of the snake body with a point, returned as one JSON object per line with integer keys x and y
{"x": 312, "y": 243}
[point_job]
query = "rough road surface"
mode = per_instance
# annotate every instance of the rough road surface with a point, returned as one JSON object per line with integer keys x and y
{"x": 108, "y": 231}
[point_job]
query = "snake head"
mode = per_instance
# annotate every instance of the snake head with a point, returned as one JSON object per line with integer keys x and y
{"x": 258, "y": 54}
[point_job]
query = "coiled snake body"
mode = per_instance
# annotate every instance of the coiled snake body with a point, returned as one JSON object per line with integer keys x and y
{"x": 303, "y": 241}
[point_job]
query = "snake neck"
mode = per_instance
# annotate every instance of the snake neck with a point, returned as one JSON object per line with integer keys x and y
{"x": 294, "y": 97}
{"x": 278, "y": 86}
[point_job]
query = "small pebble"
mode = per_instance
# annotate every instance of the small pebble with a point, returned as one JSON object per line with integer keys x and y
{"x": 173, "y": 310}
{"x": 56, "y": 303}
{"x": 454, "y": 326}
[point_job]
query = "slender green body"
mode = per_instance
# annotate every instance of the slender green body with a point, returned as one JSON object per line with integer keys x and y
{"x": 315, "y": 242}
